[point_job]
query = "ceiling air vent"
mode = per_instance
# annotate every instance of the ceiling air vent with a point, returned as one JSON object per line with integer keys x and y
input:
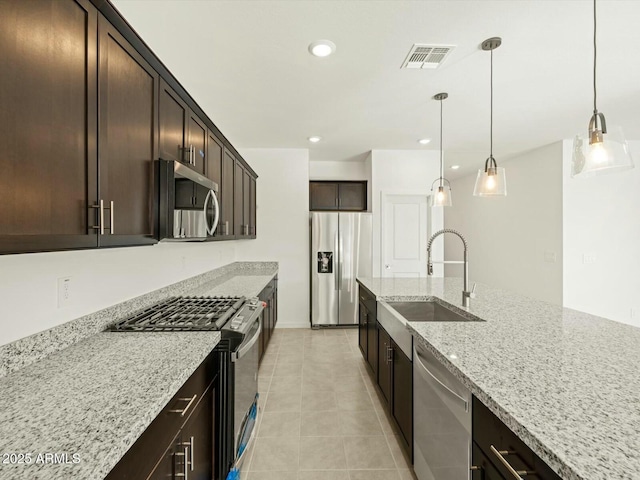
{"x": 427, "y": 56}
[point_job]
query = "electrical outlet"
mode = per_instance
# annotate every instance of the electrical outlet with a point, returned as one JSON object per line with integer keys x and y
{"x": 550, "y": 257}
{"x": 588, "y": 258}
{"x": 65, "y": 294}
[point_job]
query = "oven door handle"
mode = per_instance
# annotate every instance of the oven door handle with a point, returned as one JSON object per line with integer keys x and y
{"x": 247, "y": 345}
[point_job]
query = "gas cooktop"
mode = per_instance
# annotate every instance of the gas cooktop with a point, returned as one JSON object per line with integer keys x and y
{"x": 183, "y": 314}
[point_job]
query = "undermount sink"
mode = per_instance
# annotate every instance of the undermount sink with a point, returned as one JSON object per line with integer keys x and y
{"x": 430, "y": 311}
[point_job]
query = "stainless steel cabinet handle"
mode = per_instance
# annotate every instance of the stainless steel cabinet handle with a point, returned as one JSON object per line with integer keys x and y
{"x": 193, "y": 155}
{"x": 189, "y": 445}
{"x": 101, "y": 217}
{"x": 517, "y": 474}
{"x": 389, "y": 354}
{"x": 191, "y": 454}
{"x": 112, "y": 214}
{"x": 184, "y": 411}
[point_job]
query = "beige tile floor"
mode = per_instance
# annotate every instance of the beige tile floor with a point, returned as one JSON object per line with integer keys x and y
{"x": 321, "y": 418}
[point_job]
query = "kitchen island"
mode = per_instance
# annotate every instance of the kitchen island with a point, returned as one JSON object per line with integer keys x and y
{"x": 77, "y": 406}
{"x": 563, "y": 381}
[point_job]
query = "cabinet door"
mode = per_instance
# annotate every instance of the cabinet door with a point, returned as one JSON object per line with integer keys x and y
{"x": 213, "y": 170}
{"x": 227, "y": 195}
{"x": 127, "y": 88}
{"x": 197, "y": 142}
{"x": 363, "y": 335}
{"x": 246, "y": 203}
{"x": 323, "y": 196}
{"x": 352, "y": 196}
{"x": 48, "y": 125}
{"x": 252, "y": 208}
{"x": 173, "y": 122}
{"x": 372, "y": 342}
{"x": 195, "y": 451}
{"x": 402, "y": 404}
{"x": 384, "y": 364}
{"x": 238, "y": 200}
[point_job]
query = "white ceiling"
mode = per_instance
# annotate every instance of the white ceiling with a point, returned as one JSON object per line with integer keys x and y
{"x": 246, "y": 64}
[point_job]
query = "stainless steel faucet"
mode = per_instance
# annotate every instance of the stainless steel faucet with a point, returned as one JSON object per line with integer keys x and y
{"x": 466, "y": 293}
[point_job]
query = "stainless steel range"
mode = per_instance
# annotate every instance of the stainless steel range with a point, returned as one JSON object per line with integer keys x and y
{"x": 238, "y": 320}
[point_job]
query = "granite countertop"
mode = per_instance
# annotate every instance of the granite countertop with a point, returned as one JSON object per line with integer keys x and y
{"x": 93, "y": 393}
{"x": 564, "y": 381}
{"x": 93, "y": 399}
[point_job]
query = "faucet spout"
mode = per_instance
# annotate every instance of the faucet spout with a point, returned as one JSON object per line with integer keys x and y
{"x": 466, "y": 293}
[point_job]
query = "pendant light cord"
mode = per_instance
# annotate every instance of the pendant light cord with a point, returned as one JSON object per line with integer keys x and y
{"x": 441, "y": 147}
{"x": 491, "y": 122}
{"x": 595, "y": 56}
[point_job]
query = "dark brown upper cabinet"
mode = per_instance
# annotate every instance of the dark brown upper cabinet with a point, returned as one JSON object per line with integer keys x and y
{"x": 227, "y": 197}
{"x": 213, "y": 170}
{"x": 128, "y": 105}
{"x": 252, "y": 208}
{"x": 183, "y": 135}
{"x": 48, "y": 125}
{"x": 244, "y": 202}
{"x": 345, "y": 196}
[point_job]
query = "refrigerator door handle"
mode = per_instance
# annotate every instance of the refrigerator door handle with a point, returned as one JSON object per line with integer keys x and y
{"x": 336, "y": 272}
{"x": 340, "y": 260}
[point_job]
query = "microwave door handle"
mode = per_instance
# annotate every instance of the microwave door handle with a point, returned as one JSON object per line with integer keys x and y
{"x": 216, "y": 209}
{"x": 204, "y": 211}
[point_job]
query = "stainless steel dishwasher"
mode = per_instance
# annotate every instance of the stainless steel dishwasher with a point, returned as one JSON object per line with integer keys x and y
{"x": 442, "y": 420}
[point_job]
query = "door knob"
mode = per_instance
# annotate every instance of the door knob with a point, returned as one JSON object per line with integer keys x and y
{"x": 388, "y": 267}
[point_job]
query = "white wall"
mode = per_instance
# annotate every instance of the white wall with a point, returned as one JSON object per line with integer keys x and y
{"x": 399, "y": 171}
{"x": 338, "y": 171}
{"x": 100, "y": 278}
{"x": 283, "y": 227}
{"x": 602, "y": 221}
{"x": 509, "y": 236}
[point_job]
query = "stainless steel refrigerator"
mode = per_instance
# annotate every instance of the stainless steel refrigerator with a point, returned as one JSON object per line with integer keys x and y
{"x": 341, "y": 250}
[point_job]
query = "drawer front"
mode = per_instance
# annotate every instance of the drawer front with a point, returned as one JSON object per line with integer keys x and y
{"x": 489, "y": 431}
{"x": 368, "y": 299}
{"x": 483, "y": 469}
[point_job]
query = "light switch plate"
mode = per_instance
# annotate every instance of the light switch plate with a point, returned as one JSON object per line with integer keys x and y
{"x": 588, "y": 258}
{"x": 550, "y": 257}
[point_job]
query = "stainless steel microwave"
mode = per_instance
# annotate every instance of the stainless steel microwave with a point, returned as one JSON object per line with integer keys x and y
{"x": 188, "y": 203}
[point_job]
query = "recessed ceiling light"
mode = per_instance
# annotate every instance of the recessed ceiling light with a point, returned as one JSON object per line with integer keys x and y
{"x": 322, "y": 48}
{"x": 315, "y": 139}
{"x": 455, "y": 167}
{"x": 424, "y": 141}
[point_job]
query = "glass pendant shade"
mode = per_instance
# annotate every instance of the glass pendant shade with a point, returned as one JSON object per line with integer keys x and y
{"x": 607, "y": 153}
{"x": 441, "y": 197}
{"x": 491, "y": 182}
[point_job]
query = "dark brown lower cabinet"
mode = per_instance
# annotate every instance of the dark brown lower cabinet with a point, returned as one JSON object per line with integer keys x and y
{"x": 384, "y": 364}
{"x": 363, "y": 335}
{"x": 402, "y": 386}
{"x": 269, "y": 296}
{"x": 508, "y": 449}
{"x": 180, "y": 442}
{"x": 395, "y": 380}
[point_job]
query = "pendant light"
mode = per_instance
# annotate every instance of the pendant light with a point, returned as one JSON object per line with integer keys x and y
{"x": 442, "y": 197}
{"x": 604, "y": 150}
{"x": 491, "y": 181}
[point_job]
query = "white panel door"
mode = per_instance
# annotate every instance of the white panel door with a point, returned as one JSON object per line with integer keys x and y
{"x": 404, "y": 235}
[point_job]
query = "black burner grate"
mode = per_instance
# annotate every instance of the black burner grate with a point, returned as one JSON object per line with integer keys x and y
{"x": 182, "y": 314}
